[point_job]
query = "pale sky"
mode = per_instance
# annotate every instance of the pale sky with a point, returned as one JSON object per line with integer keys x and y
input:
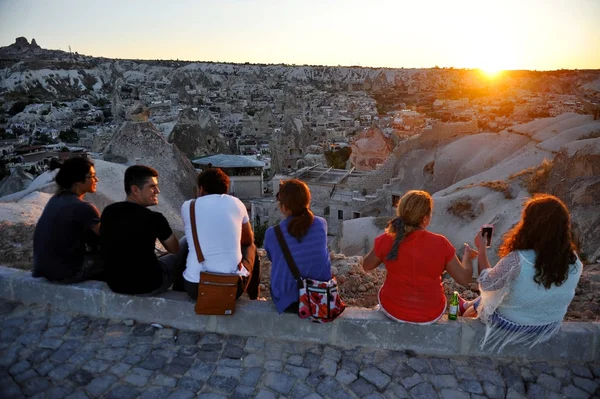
{"x": 508, "y": 34}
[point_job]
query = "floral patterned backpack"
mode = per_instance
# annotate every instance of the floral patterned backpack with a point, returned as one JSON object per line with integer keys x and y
{"x": 317, "y": 300}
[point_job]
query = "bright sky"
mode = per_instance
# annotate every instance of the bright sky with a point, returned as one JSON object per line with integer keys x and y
{"x": 488, "y": 34}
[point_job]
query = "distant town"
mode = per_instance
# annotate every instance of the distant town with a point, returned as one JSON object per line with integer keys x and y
{"x": 332, "y": 126}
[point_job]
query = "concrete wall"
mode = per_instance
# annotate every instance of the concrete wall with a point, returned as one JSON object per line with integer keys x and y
{"x": 355, "y": 327}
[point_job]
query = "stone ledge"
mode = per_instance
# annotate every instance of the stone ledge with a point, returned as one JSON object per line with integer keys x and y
{"x": 356, "y": 327}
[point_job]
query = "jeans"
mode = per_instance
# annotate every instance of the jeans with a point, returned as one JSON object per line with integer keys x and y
{"x": 173, "y": 266}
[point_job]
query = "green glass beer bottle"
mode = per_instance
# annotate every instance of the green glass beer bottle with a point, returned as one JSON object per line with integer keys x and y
{"x": 453, "y": 309}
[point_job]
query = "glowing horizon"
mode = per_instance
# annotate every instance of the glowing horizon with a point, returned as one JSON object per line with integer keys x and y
{"x": 491, "y": 36}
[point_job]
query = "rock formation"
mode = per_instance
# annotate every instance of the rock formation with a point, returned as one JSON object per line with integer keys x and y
{"x": 197, "y": 134}
{"x": 369, "y": 149}
{"x": 142, "y": 143}
{"x": 289, "y": 144}
{"x": 17, "y": 181}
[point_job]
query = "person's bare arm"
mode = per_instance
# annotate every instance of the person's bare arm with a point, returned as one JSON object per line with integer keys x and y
{"x": 247, "y": 234}
{"x": 482, "y": 259}
{"x": 462, "y": 272}
{"x": 371, "y": 261}
{"x": 171, "y": 244}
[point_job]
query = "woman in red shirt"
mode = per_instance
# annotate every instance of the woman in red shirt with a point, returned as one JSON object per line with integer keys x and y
{"x": 415, "y": 260}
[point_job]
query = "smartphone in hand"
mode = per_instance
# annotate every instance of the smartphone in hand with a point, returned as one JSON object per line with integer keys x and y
{"x": 486, "y": 232}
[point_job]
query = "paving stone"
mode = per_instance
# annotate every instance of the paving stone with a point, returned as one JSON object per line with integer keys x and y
{"x": 350, "y": 365}
{"x": 255, "y": 360}
{"x": 489, "y": 375}
{"x": 190, "y": 384}
{"x": 453, "y": 394}
{"x": 25, "y": 375}
{"x": 51, "y": 343}
{"x": 443, "y": 381}
{"x": 294, "y": 360}
{"x": 585, "y": 384}
{"x": 300, "y": 390}
{"x": 423, "y": 390}
{"x": 442, "y": 366}
{"x": 470, "y": 386}
{"x": 122, "y": 392}
{"x": 201, "y": 371}
{"x": 110, "y": 354}
{"x": 153, "y": 362}
{"x": 59, "y": 319}
{"x": 345, "y": 377}
{"x": 297, "y": 371}
{"x": 493, "y": 391}
{"x": 136, "y": 379}
{"x": 79, "y": 395}
{"x": 251, "y": 376}
{"x": 527, "y": 375}
{"x": 62, "y": 371}
{"x": 328, "y": 366}
{"x": 163, "y": 380}
{"x": 233, "y": 352}
{"x": 211, "y": 395}
{"x": 562, "y": 373}
{"x": 230, "y": 362}
{"x": 375, "y": 377}
{"x": 572, "y": 392}
{"x": 181, "y": 394}
{"x": 332, "y": 353}
{"x": 362, "y": 388}
{"x": 58, "y": 392}
{"x": 81, "y": 377}
{"x": 512, "y": 394}
{"x": 96, "y": 366}
{"x": 39, "y": 355}
{"x": 100, "y": 385}
{"x": 535, "y": 391}
{"x": 62, "y": 355}
{"x": 9, "y": 387}
{"x": 225, "y": 384}
{"x": 266, "y": 394}
{"x": 419, "y": 365}
{"x": 411, "y": 381}
{"x": 243, "y": 392}
{"x": 279, "y": 382}
{"x": 395, "y": 391}
{"x": 35, "y": 385}
{"x": 273, "y": 365}
{"x": 581, "y": 370}
{"x": 329, "y": 384}
{"x": 542, "y": 367}
{"x": 19, "y": 367}
{"x": 548, "y": 382}
{"x": 312, "y": 361}
{"x": 120, "y": 369}
{"x": 512, "y": 379}
{"x": 254, "y": 344}
{"x": 44, "y": 368}
{"x": 156, "y": 393}
{"x": 226, "y": 371}
{"x": 596, "y": 370}
{"x": 402, "y": 371}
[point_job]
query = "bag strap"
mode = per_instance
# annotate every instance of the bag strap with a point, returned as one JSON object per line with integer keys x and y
{"x": 288, "y": 256}
{"x": 194, "y": 232}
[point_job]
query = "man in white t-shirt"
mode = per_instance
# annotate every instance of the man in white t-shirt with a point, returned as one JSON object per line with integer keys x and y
{"x": 224, "y": 234}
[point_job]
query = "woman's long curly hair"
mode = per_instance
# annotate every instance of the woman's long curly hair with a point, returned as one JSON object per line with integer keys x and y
{"x": 545, "y": 227}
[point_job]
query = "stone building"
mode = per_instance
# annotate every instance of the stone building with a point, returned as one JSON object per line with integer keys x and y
{"x": 245, "y": 173}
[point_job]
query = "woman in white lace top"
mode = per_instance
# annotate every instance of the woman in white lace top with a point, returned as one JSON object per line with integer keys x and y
{"x": 525, "y": 297}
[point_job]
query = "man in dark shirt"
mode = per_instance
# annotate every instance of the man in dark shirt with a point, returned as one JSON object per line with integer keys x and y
{"x": 66, "y": 235}
{"x": 128, "y": 232}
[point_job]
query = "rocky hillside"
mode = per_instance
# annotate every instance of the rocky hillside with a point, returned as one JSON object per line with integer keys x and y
{"x": 484, "y": 178}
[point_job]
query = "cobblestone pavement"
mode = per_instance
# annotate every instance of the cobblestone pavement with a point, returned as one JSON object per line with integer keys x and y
{"x": 51, "y": 354}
